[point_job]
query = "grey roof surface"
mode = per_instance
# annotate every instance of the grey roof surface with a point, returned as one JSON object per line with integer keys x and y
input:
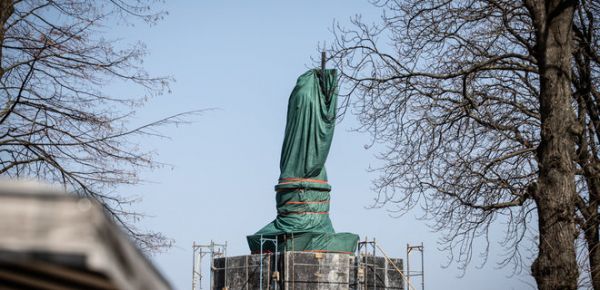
{"x": 53, "y": 240}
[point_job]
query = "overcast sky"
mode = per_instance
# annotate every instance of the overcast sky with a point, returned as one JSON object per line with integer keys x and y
{"x": 243, "y": 58}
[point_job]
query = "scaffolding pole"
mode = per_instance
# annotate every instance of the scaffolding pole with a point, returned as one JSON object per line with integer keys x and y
{"x": 264, "y": 240}
{"x": 215, "y": 250}
{"x": 361, "y": 267}
{"x": 409, "y": 250}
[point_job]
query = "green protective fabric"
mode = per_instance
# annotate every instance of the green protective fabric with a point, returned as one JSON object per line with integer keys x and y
{"x": 303, "y": 192}
{"x": 318, "y": 242}
{"x": 310, "y": 124}
{"x": 290, "y": 217}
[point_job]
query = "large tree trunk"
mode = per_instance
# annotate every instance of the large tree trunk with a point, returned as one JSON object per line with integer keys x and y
{"x": 6, "y": 10}
{"x": 556, "y": 264}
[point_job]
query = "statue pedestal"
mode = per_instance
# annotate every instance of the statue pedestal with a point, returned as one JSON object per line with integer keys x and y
{"x": 306, "y": 271}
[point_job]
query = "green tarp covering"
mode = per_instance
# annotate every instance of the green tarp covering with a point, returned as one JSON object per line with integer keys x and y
{"x": 302, "y": 222}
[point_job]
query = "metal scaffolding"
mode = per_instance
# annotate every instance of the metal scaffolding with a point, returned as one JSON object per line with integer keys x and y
{"x": 370, "y": 269}
{"x": 362, "y": 263}
{"x": 215, "y": 250}
{"x": 264, "y": 240}
{"x": 409, "y": 250}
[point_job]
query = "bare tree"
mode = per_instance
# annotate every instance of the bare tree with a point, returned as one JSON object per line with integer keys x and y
{"x": 484, "y": 109}
{"x": 56, "y": 122}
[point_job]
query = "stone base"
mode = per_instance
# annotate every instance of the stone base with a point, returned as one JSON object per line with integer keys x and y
{"x": 305, "y": 271}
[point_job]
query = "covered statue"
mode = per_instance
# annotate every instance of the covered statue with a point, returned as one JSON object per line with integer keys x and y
{"x": 302, "y": 193}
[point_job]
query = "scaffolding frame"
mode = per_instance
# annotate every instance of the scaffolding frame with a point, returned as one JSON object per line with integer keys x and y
{"x": 215, "y": 250}
{"x": 363, "y": 251}
{"x": 409, "y": 250}
{"x": 264, "y": 240}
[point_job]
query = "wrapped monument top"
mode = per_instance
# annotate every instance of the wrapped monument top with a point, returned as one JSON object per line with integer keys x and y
{"x": 309, "y": 127}
{"x": 302, "y": 222}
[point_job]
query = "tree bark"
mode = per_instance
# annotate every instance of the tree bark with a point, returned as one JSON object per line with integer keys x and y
{"x": 555, "y": 266}
{"x": 6, "y": 10}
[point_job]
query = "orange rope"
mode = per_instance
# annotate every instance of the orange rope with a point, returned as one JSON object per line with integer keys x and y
{"x": 299, "y": 189}
{"x": 307, "y": 202}
{"x": 304, "y": 212}
{"x": 293, "y": 180}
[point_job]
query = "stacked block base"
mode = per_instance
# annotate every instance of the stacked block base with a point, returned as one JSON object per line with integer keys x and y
{"x": 306, "y": 271}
